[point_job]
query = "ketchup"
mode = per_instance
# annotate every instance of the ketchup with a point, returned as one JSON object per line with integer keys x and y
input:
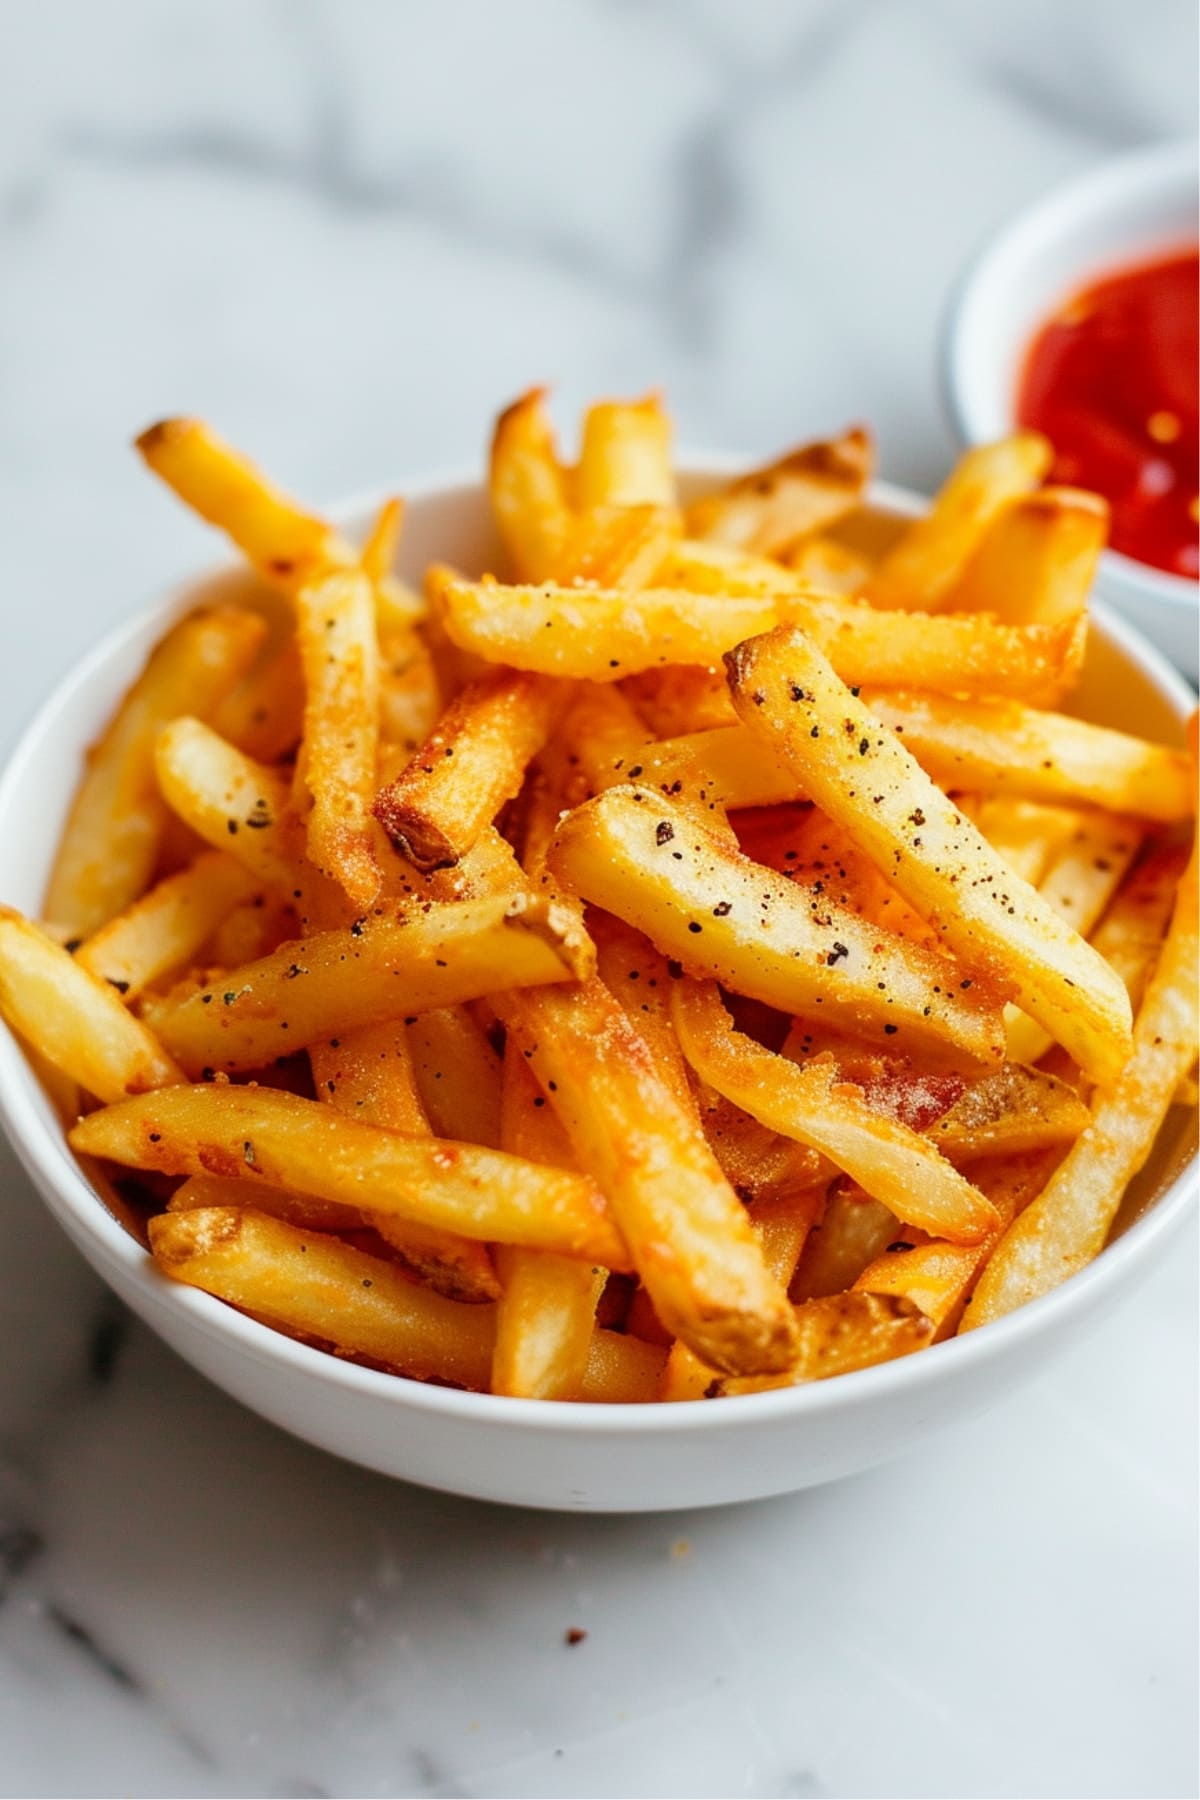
{"x": 1112, "y": 381}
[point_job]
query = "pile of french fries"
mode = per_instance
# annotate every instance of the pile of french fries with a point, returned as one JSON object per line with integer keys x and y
{"x": 704, "y": 960}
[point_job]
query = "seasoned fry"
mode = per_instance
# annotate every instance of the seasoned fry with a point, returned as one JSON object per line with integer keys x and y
{"x": 258, "y": 1134}
{"x": 592, "y": 633}
{"x": 401, "y": 960}
{"x": 111, "y": 839}
{"x": 474, "y": 761}
{"x": 869, "y": 783}
{"x": 891, "y": 1162}
{"x": 1027, "y": 834}
{"x": 409, "y": 693}
{"x": 457, "y": 1075}
{"x": 1035, "y": 562}
{"x": 689, "y": 1239}
{"x": 305, "y": 1210}
{"x": 616, "y": 547}
{"x": 921, "y": 571}
{"x": 228, "y": 799}
{"x": 999, "y": 746}
{"x": 287, "y": 546}
{"x": 625, "y": 459}
{"x": 679, "y": 699}
{"x": 264, "y": 714}
{"x": 167, "y": 928}
{"x": 1066, "y": 1226}
{"x": 1129, "y": 936}
{"x": 698, "y": 900}
{"x": 73, "y": 1018}
{"x": 769, "y": 509}
{"x": 335, "y": 629}
{"x": 315, "y": 1286}
{"x": 843, "y": 1332}
{"x": 1015, "y": 1111}
{"x": 528, "y": 488}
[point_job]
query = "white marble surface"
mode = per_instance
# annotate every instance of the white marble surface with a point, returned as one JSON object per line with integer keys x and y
{"x": 346, "y": 233}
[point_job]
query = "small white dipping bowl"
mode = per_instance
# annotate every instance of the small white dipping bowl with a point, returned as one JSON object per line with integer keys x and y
{"x": 525, "y": 1452}
{"x": 1127, "y": 211}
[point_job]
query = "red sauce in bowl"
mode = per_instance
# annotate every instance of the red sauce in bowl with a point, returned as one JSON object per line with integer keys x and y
{"x": 1112, "y": 381}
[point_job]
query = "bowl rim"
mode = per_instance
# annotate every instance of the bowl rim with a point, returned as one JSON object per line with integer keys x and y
{"x": 61, "y": 1183}
{"x": 1018, "y": 237}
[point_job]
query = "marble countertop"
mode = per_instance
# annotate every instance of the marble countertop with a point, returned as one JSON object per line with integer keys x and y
{"x": 346, "y": 233}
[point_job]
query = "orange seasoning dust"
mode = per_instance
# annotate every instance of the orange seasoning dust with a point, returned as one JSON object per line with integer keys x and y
{"x": 1112, "y": 381}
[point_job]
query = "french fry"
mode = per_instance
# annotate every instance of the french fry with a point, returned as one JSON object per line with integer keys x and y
{"x": 286, "y": 545}
{"x": 852, "y": 1231}
{"x": 167, "y": 928}
{"x": 769, "y": 509}
{"x": 591, "y": 633}
{"x": 625, "y": 458}
{"x": 378, "y": 554}
{"x": 843, "y": 1332}
{"x": 304, "y": 1210}
{"x": 647, "y": 860}
{"x": 821, "y": 562}
{"x": 457, "y": 1075}
{"x": 1079, "y": 883}
{"x": 807, "y": 847}
{"x": 759, "y": 1163}
{"x": 1035, "y": 562}
{"x": 689, "y": 1238}
{"x": 1129, "y": 936}
{"x": 314, "y": 1286}
{"x": 680, "y": 699}
{"x": 1066, "y": 1226}
{"x": 1026, "y": 833}
{"x": 921, "y": 571}
{"x": 891, "y": 1162}
{"x": 1015, "y": 1111}
{"x": 622, "y": 1370}
{"x": 111, "y": 840}
{"x": 260, "y": 1135}
{"x": 368, "y": 1074}
{"x": 472, "y": 763}
{"x": 401, "y": 960}
{"x": 73, "y": 1018}
{"x": 264, "y": 714}
{"x": 865, "y": 779}
{"x": 637, "y": 977}
{"x": 252, "y": 930}
{"x": 410, "y": 696}
{"x": 1001, "y": 747}
{"x": 616, "y": 547}
{"x": 528, "y": 488}
{"x": 228, "y": 799}
{"x": 339, "y": 652}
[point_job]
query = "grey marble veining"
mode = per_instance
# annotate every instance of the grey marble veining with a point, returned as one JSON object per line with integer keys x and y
{"x": 346, "y": 233}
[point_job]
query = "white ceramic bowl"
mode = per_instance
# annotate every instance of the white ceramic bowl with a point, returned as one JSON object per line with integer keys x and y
{"x": 1129, "y": 209}
{"x": 592, "y": 1458}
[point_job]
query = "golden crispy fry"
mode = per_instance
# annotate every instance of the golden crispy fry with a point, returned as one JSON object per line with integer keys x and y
{"x": 257, "y": 1134}
{"x": 409, "y": 694}
{"x": 689, "y": 1238}
{"x": 769, "y": 509}
{"x": 457, "y": 1075}
{"x": 891, "y": 1162}
{"x": 625, "y": 459}
{"x": 229, "y": 800}
{"x": 999, "y": 746}
{"x": 1065, "y": 1227}
{"x": 759, "y": 1163}
{"x": 287, "y": 546}
{"x": 252, "y": 930}
{"x": 807, "y": 847}
{"x": 335, "y": 629}
{"x": 921, "y": 571}
{"x": 368, "y": 1074}
{"x": 111, "y": 840}
{"x": 1015, "y": 1111}
{"x": 1079, "y": 884}
{"x": 73, "y": 1018}
{"x": 199, "y": 1191}
{"x": 679, "y": 699}
{"x": 591, "y": 633}
{"x": 622, "y": 1370}
{"x": 315, "y": 1286}
{"x": 528, "y": 488}
{"x": 167, "y": 928}
{"x": 599, "y": 730}
{"x": 1035, "y": 562}
{"x": 616, "y": 546}
{"x": 823, "y": 563}
{"x": 378, "y": 554}
{"x": 647, "y": 860}
{"x": 1129, "y": 936}
{"x": 865, "y": 779}
{"x": 851, "y": 1233}
{"x": 637, "y": 977}
{"x": 473, "y": 762}
{"x": 264, "y": 714}
{"x": 401, "y": 960}
{"x": 843, "y": 1332}
{"x": 1026, "y": 833}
